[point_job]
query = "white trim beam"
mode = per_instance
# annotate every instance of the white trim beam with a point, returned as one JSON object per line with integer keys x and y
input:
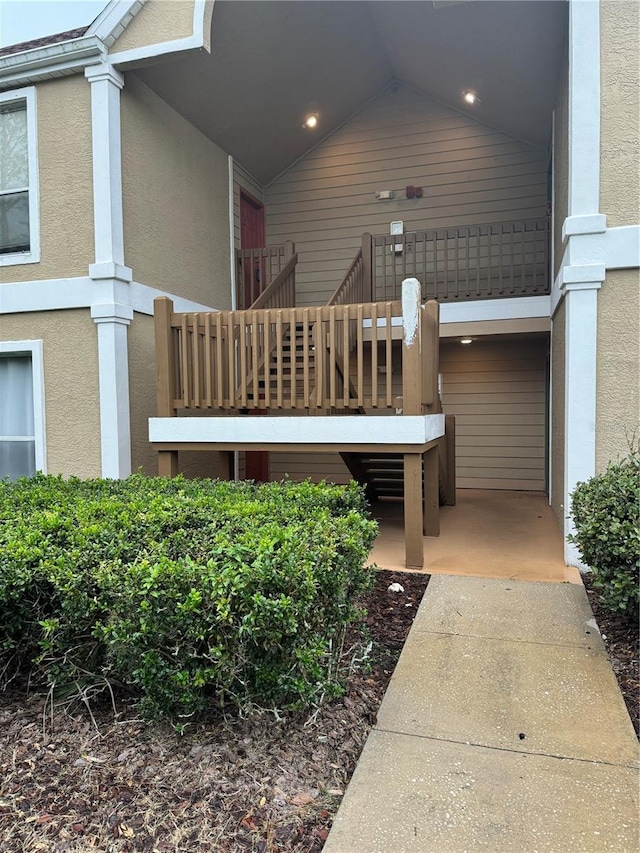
{"x": 346, "y": 430}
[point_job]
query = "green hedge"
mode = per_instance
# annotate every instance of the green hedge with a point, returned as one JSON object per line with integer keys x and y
{"x": 188, "y": 592}
{"x": 606, "y": 512}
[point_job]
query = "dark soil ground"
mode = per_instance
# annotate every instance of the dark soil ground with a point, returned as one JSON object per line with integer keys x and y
{"x": 623, "y": 647}
{"x": 258, "y": 784}
{"x": 229, "y": 786}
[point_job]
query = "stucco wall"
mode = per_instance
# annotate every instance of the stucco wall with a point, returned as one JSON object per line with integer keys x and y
{"x": 620, "y": 116}
{"x": 560, "y": 165}
{"x": 66, "y": 182}
{"x": 618, "y": 365}
{"x": 142, "y": 391}
{"x": 557, "y": 413}
{"x": 158, "y": 21}
{"x": 70, "y": 355}
{"x": 175, "y": 200}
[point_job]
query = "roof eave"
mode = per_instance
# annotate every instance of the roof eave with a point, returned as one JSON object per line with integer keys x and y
{"x": 55, "y": 60}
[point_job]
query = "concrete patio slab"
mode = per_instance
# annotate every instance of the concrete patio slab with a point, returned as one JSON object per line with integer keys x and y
{"x": 506, "y": 610}
{"x": 528, "y": 697}
{"x": 419, "y": 795}
{"x": 488, "y": 533}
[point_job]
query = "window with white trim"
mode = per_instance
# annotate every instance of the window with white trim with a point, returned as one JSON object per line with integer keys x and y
{"x": 22, "y": 437}
{"x": 19, "y": 203}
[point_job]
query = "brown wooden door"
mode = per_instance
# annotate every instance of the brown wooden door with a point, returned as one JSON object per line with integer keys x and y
{"x": 252, "y": 236}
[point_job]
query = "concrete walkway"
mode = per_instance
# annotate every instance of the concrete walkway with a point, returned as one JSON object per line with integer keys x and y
{"x": 502, "y": 730}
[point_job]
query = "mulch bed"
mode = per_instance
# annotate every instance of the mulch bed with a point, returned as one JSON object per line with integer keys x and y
{"x": 258, "y": 784}
{"x": 621, "y": 639}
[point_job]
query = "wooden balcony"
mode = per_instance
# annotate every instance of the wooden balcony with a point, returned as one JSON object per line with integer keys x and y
{"x": 323, "y": 361}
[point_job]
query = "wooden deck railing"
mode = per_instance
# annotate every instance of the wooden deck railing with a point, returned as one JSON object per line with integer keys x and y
{"x": 257, "y": 269}
{"x": 355, "y": 287}
{"x": 489, "y": 261}
{"x": 295, "y": 359}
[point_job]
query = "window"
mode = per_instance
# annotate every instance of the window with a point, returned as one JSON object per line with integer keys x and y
{"x": 19, "y": 218}
{"x": 21, "y": 409}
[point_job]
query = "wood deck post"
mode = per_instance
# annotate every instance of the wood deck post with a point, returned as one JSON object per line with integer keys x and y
{"x": 412, "y": 405}
{"x": 165, "y": 376}
{"x": 431, "y": 502}
{"x": 367, "y": 266}
{"x": 414, "y": 555}
{"x": 450, "y": 459}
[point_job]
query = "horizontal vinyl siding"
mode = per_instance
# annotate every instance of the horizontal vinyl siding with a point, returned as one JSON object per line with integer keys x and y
{"x": 470, "y": 174}
{"x": 496, "y": 390}
{"x": 242, "y": 180}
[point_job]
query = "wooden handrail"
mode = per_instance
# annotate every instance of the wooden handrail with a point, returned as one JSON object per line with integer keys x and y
{"x": 281, "y": 293}
{"x": 295, "y": 358}
{"x": 344, "y": 290}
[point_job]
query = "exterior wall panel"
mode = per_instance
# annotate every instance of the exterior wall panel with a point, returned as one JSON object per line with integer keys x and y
{"x": 66, "y": 183}
{"x": 618, "y": 366}
{"x": 175, "y": 200}
{"x": 72, "y": 406}
{"x": 620, "y": 112}
{"x": 496, "y": 390}
{"x": 158, "y": 21}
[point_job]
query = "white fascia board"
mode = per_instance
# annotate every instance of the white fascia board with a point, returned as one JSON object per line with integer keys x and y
{"x": 66, "y": 57}
{"x": 622, "y": 247}
{"x": 345, "y": 430}
{"x": 114, "y": 19}
{"x": 513, "y": 308}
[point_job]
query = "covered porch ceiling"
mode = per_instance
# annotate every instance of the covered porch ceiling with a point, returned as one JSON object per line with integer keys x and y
{"x": 273, "y": 63}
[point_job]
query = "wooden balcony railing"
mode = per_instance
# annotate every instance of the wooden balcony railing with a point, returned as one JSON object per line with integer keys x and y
{"x": 295, "y": 359}
{"x": 489, "y": 261}
{"x": 257, "y": 269}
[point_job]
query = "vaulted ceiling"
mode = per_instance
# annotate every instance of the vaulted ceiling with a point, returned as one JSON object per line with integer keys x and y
{"x": 272, "y": 63}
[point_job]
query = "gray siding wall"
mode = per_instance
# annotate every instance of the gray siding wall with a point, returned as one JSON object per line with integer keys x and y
{"x": 469, "y": 172}
{"x": 496, "y": 390}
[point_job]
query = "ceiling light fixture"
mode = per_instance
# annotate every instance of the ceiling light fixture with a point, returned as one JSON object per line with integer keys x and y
{"x": 470, "y": 97}
{"x": 466, "y": 340}
{"x": 311, "y": 121}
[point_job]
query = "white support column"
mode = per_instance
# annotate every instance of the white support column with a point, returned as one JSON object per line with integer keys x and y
{"x": 109, "y": 273}
{"x": 583, "y": 269}
{"x": 106, "y": 84}
{"x": 113, "y": 367}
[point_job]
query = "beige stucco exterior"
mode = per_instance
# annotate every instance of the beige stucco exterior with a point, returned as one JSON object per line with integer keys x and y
{"x": 618, "y": 365}
{"x": 70, "y": 356}
{"x": 66, "y": 182}
{"x": 142, "y": 393}
{"x": 557, "y": 413}
{"x": 175, "y": 201}
{"x": 620, "y": 112}
{"x": 158, "y": 21}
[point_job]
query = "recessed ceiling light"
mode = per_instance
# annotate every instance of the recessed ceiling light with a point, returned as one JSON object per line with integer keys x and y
{"x": 466, "y": 340}
{"x": 311, "y": 121}
{"x": 470, "y": 97}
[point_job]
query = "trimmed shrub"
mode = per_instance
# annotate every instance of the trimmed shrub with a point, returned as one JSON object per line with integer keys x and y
{"x": 188, "y": 592}
{"x": 605, "y": 512}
